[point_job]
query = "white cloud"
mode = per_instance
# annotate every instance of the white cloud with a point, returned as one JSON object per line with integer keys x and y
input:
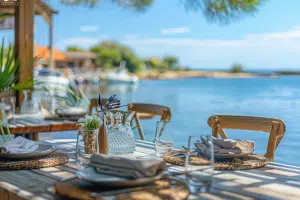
{"x": 184, "y": 42}
{"x": 273, "y": 50}
{"x": 84, "y": 42}
{"x": 89, "y": 28}
{"x": 288, "y": 35}
{"x": 172, "y": 31}
{"x": 266, "y": 39}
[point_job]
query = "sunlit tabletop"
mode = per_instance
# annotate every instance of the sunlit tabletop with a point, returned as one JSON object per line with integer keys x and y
{"x": 275, "y": 181}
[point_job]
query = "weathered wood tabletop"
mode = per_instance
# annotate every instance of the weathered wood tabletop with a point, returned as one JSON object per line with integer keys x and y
{"x": 275, "y": 181}
{"x": 33, "y": 125}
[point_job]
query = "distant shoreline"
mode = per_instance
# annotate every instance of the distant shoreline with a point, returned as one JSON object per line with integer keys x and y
{"x": 204, "y": 74}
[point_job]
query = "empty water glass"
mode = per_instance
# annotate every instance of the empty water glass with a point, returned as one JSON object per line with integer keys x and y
{"x": 9, "y": 106}
{"x": 199, "y": 164}
{"x": 163, "y": 138}
{"x": 2, "y": 112}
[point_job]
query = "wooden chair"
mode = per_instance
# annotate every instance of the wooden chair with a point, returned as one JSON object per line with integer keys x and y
{"x": 94, "y": 104}
{"x": 148, "y": 111}
{"x": 275, "y": 127}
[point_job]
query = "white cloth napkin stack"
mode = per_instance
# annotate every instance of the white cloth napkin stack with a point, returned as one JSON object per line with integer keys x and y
{"x": 226, "y": 146}
{"x": 19, "y": 145}
{"x": 126, "y": 166}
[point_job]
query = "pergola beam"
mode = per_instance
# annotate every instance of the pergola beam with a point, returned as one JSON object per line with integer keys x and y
{"x": 24, "y": 30}
{"x": 45, "y": 11}
{"x": 24, "y": 35}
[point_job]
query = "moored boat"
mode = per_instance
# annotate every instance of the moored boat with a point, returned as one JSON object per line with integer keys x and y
{"x": 121, "y": 76}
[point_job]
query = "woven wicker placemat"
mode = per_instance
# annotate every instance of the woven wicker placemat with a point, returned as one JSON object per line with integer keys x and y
{"x": 161, "y": 189}
{"x": 248, "y": 162}
{"x": 50, "y": 160}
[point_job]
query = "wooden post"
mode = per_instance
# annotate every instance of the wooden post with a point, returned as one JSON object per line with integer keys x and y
{"x": 51, "y": 59}
{"x": 24, "y": 18}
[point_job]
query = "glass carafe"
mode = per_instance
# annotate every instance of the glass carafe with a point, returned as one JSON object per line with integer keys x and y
{"x": 120, "y": 137}
{"x": 30, "y": 104}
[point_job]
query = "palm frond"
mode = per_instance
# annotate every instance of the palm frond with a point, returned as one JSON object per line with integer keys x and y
{"x": 8, "y": 66}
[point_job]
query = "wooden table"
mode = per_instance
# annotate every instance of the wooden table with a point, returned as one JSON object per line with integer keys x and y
{"x": 33, "y": 126}
{"x": 275, "y": 181}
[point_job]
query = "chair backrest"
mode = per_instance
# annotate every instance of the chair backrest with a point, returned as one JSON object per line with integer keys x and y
{"x": 94, "y": 104}
{"x": 275, "y": 127}
{"x": 148, "y": 111}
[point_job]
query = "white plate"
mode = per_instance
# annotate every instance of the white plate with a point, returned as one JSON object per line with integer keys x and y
{"x": 89, "y": 174}
{"x": 42, "y": 150}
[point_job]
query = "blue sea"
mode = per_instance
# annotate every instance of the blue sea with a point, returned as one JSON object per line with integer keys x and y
{"x": 194, "y": 100}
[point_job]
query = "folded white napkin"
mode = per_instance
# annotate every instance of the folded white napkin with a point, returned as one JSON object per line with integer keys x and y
{"x": 19, "y": 145}
{"x": 126, "y": 166}
{"x": 226, "y": 146}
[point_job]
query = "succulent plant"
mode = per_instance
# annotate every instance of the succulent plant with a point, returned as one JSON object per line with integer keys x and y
{"x": 89, "y": 122}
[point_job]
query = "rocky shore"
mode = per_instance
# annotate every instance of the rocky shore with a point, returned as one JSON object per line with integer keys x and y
{"x": 197, "y": 74}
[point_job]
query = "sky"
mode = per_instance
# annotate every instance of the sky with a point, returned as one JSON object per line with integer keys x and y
{"x": 270, "y": 39}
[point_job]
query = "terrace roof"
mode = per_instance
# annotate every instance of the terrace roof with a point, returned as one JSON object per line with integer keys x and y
{"x": 41, "y": 8}
{"x": 23, "y": 12}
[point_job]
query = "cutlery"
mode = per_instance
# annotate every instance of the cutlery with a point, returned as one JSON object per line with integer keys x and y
{"x": 113, "y": 102}
{"x": 100, "y": 104}
{"x": 183, "y": 155}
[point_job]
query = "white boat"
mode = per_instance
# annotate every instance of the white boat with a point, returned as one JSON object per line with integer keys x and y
{"x": 51, "y": 81}
{"x": 121, "y": 76}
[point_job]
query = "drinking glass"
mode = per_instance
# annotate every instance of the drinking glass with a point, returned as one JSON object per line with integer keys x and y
{"x": 163, "y": 138}
{"x": 48, "y": 103}
{"x": 199, "y": 164}
{"x": 87, "y": 144}
{"x": 30, "y": 104}
{"x": 2, "y": 112}
{"x": 9, "y": 106}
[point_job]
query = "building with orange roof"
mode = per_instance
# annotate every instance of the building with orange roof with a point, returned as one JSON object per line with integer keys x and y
{"x": 43, "y": 55}
{"x": 63, "y": 59}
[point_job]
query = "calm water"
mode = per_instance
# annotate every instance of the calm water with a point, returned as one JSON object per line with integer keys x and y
{"x": 194, "y": 100}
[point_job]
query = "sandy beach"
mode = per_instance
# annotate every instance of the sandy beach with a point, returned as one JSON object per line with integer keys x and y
{"x": 195, "y": 74}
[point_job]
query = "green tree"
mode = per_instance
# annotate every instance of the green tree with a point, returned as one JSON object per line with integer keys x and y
{"x": 237, "y": 68}
{"x": 107, "y": 57}
{"x": 222, "y": 11}
{"x": 152, "y": 63}
{"x": 111, "y": 53}
{"x": 4, "y": 15}
{"x": 171, "y": 61}
{"x": 138, "y": 5}
{"x": 74, "y": 48}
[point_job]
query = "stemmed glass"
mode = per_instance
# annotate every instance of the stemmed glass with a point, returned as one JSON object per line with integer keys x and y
{"x": 199, "y": 164}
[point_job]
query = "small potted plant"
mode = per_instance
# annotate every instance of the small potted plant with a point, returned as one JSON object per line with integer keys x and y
{"x": 89, "y": 128}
